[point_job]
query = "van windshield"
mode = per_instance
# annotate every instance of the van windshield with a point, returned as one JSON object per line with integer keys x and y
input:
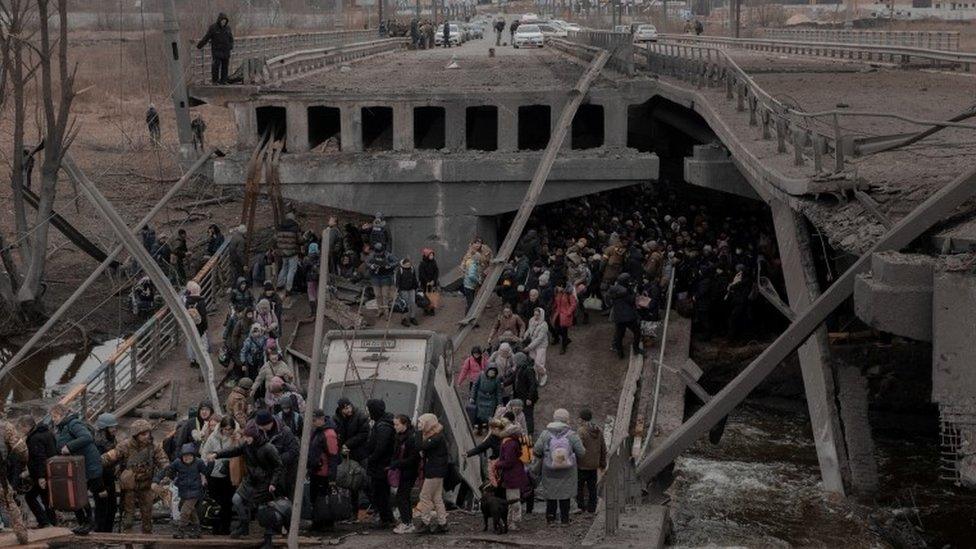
{"x": 528, "y": 28}
{"x": 400, "y": 397}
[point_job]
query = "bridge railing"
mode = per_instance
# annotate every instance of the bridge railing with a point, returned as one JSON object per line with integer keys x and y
{"x": 933, "y": 40}
{"x": 811, "y": 135}
{"x": 869, "y": 52}
{"x": 141, "y": 352}
{"x": 272, "y": 45}
{"x": 298, "y": 63}
{"x": 619, "y": 44}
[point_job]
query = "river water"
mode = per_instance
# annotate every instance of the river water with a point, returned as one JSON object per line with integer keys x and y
{"x": 51, "y": 370}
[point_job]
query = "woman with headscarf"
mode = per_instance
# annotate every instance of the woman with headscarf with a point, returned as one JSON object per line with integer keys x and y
{"x": 511, "y": 471}
{"x": 537, "y": 336}
{"x": 266, "y": 317}
{"x": 472, "y": 367}
{"x": 433, "y": 450}
{"x": 559, "y": 448}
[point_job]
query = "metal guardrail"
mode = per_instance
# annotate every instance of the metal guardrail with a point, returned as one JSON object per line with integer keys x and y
{"x": 145, "y": 349}
{"x": 816, "y": 135}
{"x": 869, "y": 52}
{"x": 619, "y": 44}
{"x": 298, "y": 63}
{"x": 934, "y": 40}
{"x": 272, "y": 45}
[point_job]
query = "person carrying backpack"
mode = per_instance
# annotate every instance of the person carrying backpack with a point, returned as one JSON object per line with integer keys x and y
{"x": 560, "y": 449}
{"x": 323, "y": 462}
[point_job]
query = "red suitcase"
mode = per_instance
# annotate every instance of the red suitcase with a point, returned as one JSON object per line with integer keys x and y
{"x": 66, "y": 482}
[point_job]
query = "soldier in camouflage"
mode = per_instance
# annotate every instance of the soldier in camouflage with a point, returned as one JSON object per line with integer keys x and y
{"x": 11, "y": 444}
{"x": 143, "y": 458}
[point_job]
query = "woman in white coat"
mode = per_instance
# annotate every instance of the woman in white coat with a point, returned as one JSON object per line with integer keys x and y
{"x": 537, "y": 335}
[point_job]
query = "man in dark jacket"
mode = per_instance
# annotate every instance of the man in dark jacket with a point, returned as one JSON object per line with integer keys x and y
{"x": 75, "y": 438}
{"x": 323, "y": 460}
{"x": 405, "y": 280}
{"x": 41, "y": 445}
{"x": 624, "y": 314}
{"x": 106, "y": 427}
{"x": 380, "y": 447}
{"x": 265, "y": 473}
{"x": 352, "y": 426}
{"x": 525, "y": 387}
{"x": 285, "y": 443}
{"x": 221, "y": 41}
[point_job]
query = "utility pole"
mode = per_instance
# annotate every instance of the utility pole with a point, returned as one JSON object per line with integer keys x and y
{"x": 181, "y": 100}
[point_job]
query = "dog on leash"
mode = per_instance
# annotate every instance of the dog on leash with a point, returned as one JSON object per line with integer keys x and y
{"x": 494, "y": 506}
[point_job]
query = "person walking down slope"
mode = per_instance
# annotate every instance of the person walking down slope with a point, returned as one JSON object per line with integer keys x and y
{"x": 595, "y": 459}
{"x": 221, "y": 41}
{"x": 560, "y": 450}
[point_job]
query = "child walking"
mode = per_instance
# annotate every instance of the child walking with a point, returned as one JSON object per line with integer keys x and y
{"x": 190, "y": 476}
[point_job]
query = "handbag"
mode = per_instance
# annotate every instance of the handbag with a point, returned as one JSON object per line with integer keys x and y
{"x": 333, "y": 506}
{"x": 643, "y": 302}
{"x": 422, "y": 300}
{"x": 434, "y": 297}
{"x": 592, "y": 303}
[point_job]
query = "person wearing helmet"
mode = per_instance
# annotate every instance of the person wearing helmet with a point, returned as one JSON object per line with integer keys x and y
{"x": 381, "y": 265}
{"x": 106, "y": 507}
{"x": 143, "y": 458}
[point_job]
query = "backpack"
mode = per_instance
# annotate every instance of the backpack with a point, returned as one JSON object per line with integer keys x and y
{"x": 560, "y": 455}
{"x": 351, "y": 475}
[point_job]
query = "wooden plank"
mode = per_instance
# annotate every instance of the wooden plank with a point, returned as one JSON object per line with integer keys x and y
{"x": 132, "y": 403}
{"x": 625, "y": 408}
{"x": 161, "y": 540}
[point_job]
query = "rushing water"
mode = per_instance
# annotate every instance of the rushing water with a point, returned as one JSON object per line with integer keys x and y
{"x": 52, "y": 370}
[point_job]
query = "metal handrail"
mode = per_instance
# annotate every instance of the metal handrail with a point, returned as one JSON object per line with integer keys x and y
{"x": 942, "y": 40}
{"x": 141, "y": 352}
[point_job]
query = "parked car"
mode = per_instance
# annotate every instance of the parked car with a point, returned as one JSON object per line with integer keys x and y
{"x": 622, "y": 28}
{"x": 551, "y": 30}
{"x": 476, "y": 30}
{"x": 528, "y": 36}
{"x": 528, "y": 18}
{"x": 455, "y": 36}
{"x": 645, "y": 33}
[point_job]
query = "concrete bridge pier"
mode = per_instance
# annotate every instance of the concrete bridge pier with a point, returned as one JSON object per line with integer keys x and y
{"x": 448, "y": 235}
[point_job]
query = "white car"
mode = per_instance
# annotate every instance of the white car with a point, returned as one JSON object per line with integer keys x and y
{"x": 550, "y": 30}
{"x": 455, "y": 37}
{"x": 622, "y": 28}
{"x": 645, "y": 33}
{"x": 528, "y": 36}
{"x": 529, "y": 18}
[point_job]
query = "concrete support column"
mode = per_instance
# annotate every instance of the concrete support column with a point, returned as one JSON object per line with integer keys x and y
{"x": 455, "y": 120}
{"x": 246, "y": 120}
{"x": 508, "y": 127}
{"x": 297, "y": 120}
{"x": 615, "y": 124}
{"x": 402, "y": 127}
{"x": 448, "y": 235}
{"x": 351, "y": 128}
{"x": 818, "y": 380}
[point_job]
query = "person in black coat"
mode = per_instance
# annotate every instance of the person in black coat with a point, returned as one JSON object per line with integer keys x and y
{"x": 525, "y": 387}
{"x": 221, "y": 41}
{"x": 285, "y": 443}
{"x": 323, "y": 462}
{"x": 406, "y": 460}
{"x": 265, "y": 475}
{"x": 624, "y": 314}
{"x": 41, "y": 445}
{"x": 429, "y": 275}
{"x": 352, "y": 426}
{"x": 380, "y": 446}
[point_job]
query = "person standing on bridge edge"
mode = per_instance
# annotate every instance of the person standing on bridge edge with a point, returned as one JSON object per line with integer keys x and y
{"x": 221, "y": 41}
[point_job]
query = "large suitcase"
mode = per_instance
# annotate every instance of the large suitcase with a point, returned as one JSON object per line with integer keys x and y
{"x": 66, "y": 482}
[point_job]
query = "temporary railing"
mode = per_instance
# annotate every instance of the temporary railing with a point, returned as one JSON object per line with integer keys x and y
{"x": 805, "y": 132}
{"x": 870, "y": 52}
{"x": 619, "y": 44}
{"x": 272, "y": 45}
{"x": 933, "y": 40}
{"x": 298, "y": 63}
{"x": 145, "y": 349}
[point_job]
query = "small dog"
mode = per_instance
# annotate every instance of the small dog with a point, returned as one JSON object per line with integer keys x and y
{"x": 494, "y": 506}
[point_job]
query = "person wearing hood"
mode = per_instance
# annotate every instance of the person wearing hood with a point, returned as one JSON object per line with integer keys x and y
{"x": 515, "y": 410}
{"x": 312, "y": 266}
{"x": 525, "y": 388}
{"x": 352, "y": 426}
{"x": 221, "y": 41}
{"x": 537, "y": 335}
{"x": 75, "y": 438}
{"x": 507, "y": 289}
{"x": 380, "y": 446}
{"x": 378, "y": 233}
{"x": 195, "y": 430}
{"x": 189, "y": 474}
{"x": 233, "y": 343}
{"x": 290, "y": 414}
{"x": 486, "y": 394}
{"x": 238, "y": 401}
{"x": 274, "y": 300}
{"x": 623, "y": 313}
{"x": 252, "y": 351}
{"x": 262, "y": 481}
{"x": 429, "y": 275}
{"x": 560, "y": 450}
{"x": 241, "y": 300}
{"x": 323, "y": 461}
{"x": 507, "y": 321}
{"x": 472, "y": 367}
{"x": 285, "y": 442}
{"x": 563, "y": 312}
{"x": 274, "y": 367}
{"x": 106, "y": 429}
{"x": 406, "y": 466}
{"x": 219, "y": 485}
{"x": 594, "y": 459}
{"x": 405, "y": 280}
{"x": 196, "y": 305}
{"x": 41, "y": 445}
{"x": 381, "y": 266}
{"x": 503, "y": 358}
{"x": 265, "y": 316}
{"x": 511, "y": 471}
{"x": 433, "y": 451}
{"x": 142, "y": 458}
{"x": 215, "y": 238}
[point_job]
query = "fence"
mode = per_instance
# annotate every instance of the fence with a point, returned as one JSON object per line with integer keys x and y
{"x": 145, "y": 349}
{"x": 933, "y": 40}
{"x": 619, "y": 44}
{"x": 273, "y": 45}
{"x": 957, "y": 433}
{"x": 299, "y": 63}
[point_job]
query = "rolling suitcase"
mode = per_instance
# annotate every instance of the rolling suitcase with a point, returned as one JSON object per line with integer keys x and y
{"x": 67, "y": 485}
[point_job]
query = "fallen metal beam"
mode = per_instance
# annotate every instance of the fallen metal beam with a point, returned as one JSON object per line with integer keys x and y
{"x": 134, "y": 402}
{"x": 153, "y": 271}
{"x": 767, "y": 290}
{"x": 67, "y": 229}
{"x": 67, "y": 303}
{"x": 942, "y": 203}
{"x": 872, "y": 207}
